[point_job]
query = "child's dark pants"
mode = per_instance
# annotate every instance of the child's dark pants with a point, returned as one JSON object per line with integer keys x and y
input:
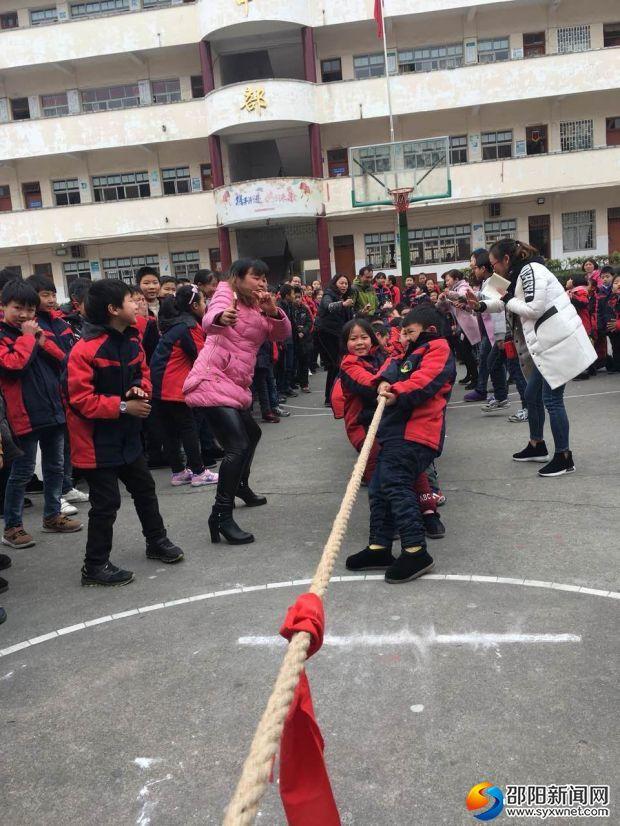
{"x": 393, "y": 502}
{"x": 105, "y": 501}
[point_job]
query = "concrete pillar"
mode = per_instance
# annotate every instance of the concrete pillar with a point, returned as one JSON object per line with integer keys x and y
{"x": 307, "y": 43}
{"x": 322, "y": 235}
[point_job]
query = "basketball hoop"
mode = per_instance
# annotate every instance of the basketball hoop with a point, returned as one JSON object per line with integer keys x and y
{"x": 400, "y": 197}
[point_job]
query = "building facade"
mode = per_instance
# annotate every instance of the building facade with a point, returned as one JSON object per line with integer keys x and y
{"x": 182, "y": 135}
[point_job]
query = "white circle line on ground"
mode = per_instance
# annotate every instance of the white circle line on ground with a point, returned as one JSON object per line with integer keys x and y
{"x": 472, "y": 405}
{"x": 292, "y": 583}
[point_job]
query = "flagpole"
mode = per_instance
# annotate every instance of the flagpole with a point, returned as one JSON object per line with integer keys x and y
{"x": 387, "y": 74}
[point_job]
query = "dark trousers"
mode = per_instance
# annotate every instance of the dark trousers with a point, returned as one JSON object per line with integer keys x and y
{"x": 238, "y": 434}
{"x": 153, "y": 437}
{"x": 286, "y": 366}
{"x": 330, "y": 358}
{"x": 516, "y": 374}
{"x": 466, "y": 353}
{"x": 105, "y": 501}
{"x": 303, "y": 365}
{"x": 613, "y": 362}
{"x": 261, "y": 385}
{"x": 179, "y": 426}
{"x": 393, "y": 502}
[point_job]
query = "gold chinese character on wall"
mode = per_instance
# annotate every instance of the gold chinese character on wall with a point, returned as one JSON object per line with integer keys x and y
{"x": 254, "y": 99}
{"x": 245, "y": 5}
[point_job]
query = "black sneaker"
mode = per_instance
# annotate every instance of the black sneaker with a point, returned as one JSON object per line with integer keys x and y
{"x": 107, "y": 574}
{"x": 368, "y": 560}
{"x": 532, "y": 454}
{"x": 559, "y": 465}
{"x": 5, "y": 562}
{"x": 35, "y": 485}
{"x": 27, "y": 502}
{"x": 409, "y": 566}
{"x": 164, "y": 550}
{"x": 209, "y": 460}
{"x": 2, "y": 616}
{"x": 4, "y": 585}
{"x": 433, "y": 526}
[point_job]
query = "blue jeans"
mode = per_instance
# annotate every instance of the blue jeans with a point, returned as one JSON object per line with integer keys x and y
{"x": 516, "y": 374}
{"x": 393, "y": 503}
{"x": 286, "y": 366}
{"x": 67, "y": 479}
{"x": 538, "y": 396}
{"x": 52, "y": 441}
{"x": 493, "y": 365}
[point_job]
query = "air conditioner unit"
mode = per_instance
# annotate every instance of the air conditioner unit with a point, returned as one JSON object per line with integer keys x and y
{"x": 61, "y": 251}
{"x": 495, "y": 209}
{"x": 78, "y": 251}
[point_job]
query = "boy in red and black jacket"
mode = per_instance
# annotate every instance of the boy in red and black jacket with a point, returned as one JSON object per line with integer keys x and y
{"x": 108, "y": 389}
{"x": 30, "y": 366}
{"x": 411, "y": 435}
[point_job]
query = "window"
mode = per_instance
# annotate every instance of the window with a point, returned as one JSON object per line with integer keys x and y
{"x": 43, "y": 269}
{"x": 374, "y": 159}
{"x": 15, "y": 269}
{"x": 215, "y": 259}
{"x": 573, "y": 39}
{"x": 185, "y": 264}
{"x": 612, "y": 131}
{"x": 438, "y": 245}
{"x": 493, "y": 50}
{"x": 198, "y": 87}
{"x": 32, "y": 195}
{"x": 20, "y": 109}
{"x": 176, "y": 181}
{"x": 430, "y": 58}
{"x": 337, "y": 163}
{"x": 424, "y": 154}
{"x": 66, "y": 192}
{"x": 126, "y": 268}
{"x": 611, "y": 34}
{"x": 40, "y": 17}
{"x": 369, "y": 65}
{"x": 166, "y": 91}
{"x": 75, "y": 269}
{"x": 206, "y": 177}
{"x": 331, "y": 70}
{"x": 99, "y": 7}
{"x": 536, "y": 140}
{"x": 121, "y": 187}
{"x": 380, "y": 250}
{"x": 111, "y": 97}
{"x": 494, "y": 230}
{"x": 578, "y": 230}
{"x": 9, "y": 20}
{"x": 54, "y": 106}
{"x": 534, "y": 44}
{"x": 151, "y": 4}
{"x": 458, "y": 149}
{"x": 6, "y": 205}
{"x": 576, "y": 134}
{"x": 496, "y": 145}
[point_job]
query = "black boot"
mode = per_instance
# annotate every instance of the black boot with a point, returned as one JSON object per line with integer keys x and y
{"x": 222, "y": 522}
{"x": 247, "y": 495}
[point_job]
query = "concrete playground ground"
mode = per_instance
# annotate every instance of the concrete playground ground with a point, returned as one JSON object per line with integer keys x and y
{"x": 136, "y": 705}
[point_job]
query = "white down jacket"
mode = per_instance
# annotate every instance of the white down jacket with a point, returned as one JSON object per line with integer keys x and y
{"x": 555, "y": 337}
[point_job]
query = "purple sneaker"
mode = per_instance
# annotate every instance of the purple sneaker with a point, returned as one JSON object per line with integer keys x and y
{"x": 207, "y": 477}
{"x": 474, "y": 396}
{"x": 184, "y": 477}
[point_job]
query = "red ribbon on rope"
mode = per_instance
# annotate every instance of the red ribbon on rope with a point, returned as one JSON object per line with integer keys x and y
{"x": 304, "y": 783}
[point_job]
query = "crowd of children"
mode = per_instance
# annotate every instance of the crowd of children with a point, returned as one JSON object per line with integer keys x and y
{"x": 97, "y": 387}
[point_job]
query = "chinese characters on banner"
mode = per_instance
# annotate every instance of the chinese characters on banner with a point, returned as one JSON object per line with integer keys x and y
{"x": 277, "y": 197}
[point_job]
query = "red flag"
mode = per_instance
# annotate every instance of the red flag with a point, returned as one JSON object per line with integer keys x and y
{"x": 304, "y": 783}
{"x": 379, "y": 17}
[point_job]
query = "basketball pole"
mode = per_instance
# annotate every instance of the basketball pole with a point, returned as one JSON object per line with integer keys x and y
{"x": 403, "y": 235}
{"x": 387, "y": 75}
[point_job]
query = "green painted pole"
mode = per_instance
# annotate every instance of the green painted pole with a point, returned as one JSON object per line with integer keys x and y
{"x": 405, "y": 258}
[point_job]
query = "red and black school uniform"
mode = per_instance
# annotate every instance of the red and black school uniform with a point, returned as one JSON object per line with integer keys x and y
{"x": 105, "y": 442}
{"x": 411, "y": 435}
{"x": 609, "y": 310}
{"x": 181, "y": 340}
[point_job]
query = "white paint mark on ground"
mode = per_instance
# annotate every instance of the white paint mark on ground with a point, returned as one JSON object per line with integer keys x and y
{"x": 7, "y": 676}
{"x": 147, "y": 803}
{"x": 146, "y": 762}
{"x": 417, "y": 709}
{"x": 473, "y": 639}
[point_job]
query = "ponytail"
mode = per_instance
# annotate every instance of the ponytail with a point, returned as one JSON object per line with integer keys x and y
{"x": 518, "y": 252}
{"x": 174, "y": 306}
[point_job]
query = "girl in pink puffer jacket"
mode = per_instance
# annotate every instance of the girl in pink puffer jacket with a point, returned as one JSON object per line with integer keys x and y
{"x": 241, "y": 315}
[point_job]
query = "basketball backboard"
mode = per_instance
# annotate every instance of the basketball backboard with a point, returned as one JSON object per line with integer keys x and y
{"x": 423, "y": 165}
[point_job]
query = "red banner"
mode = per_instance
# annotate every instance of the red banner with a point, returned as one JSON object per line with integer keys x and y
{"x": 304, "y": 783}
{"x": 379, "y": 17}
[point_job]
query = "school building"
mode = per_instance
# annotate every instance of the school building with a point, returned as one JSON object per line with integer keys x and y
{"x": 186, "y": 134}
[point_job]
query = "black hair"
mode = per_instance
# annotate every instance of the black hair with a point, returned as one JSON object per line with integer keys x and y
{"x": 7, "y": 275}
{"x": 108, "y": 291}
{"x": 456, "y": 274}
{"x": 392, "y": 280}
{"x": 357, "y": 322}
{"x": 21, "y": 293}
{"x": 579, "y": 281}
{"x": 79, "y": 288}
{"x": 335, "y": 280}
{"x": 135, "y": 289}
{"x": 41, "y": 284}
{"x": 202, "y": 277}
{"x": 285, "y": 291}
{"x": 592, "y": 261}
{"x": 363, "y": 269}
{"x": 297, "y": 290}
{"x": 518, "y": 252}
{"x": 481, "y": 257}
{"x": 380, "y": 275}
{"x": 174, "y": 306}
{"x": 146, "y": 271}
{"x": 380, "y": 327}
{"x": 167, "y": 279}
{"x": 241, "y": 267}
{"x": 608, "y": 270}
{"x": 425, "y": 315}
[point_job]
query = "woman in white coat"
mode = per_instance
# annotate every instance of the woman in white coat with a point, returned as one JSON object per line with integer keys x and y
{"x": 556, "y": 341}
